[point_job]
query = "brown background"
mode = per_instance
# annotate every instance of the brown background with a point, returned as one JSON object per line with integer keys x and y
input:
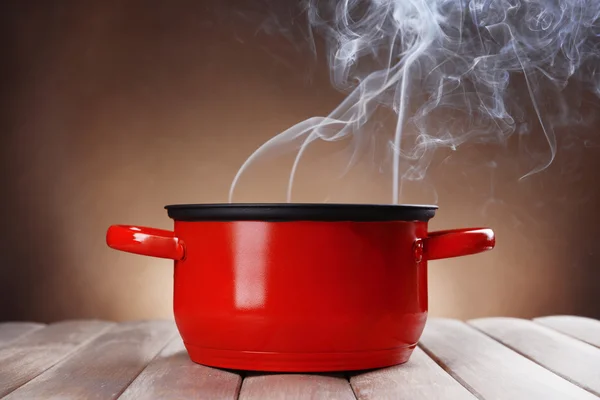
{"x": 114, "y": 109}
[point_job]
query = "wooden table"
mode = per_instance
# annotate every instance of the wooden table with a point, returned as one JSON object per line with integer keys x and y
{"x": 555, "y": 357}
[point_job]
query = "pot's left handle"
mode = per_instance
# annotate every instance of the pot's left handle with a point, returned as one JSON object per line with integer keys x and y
{"x": 145, "y": 241}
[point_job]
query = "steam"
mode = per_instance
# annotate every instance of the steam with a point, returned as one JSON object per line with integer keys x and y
{"x": 448, "y": 72}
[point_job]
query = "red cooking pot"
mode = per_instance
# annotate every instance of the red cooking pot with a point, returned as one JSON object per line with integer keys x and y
{"x": 300, "y": 287}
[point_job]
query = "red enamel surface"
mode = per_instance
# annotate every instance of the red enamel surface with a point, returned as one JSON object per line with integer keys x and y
{"x": 145, "y": 241}
{"x": 458, "y": 242}
{"x": 301, "y": 296}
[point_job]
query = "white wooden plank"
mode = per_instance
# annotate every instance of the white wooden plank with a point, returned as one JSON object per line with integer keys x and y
{"x": 10, "y": 331}
{"x": 105, "y": 366}
{"x": 172, "y": 375}
{"x": 576, "y": 361}
{"x": 419, "y": 378}
{"x": 582, "y": 328}
{"x": 491, "y": 370}
{"x": 295, "y": 386}
{"x": 27, "y": 357}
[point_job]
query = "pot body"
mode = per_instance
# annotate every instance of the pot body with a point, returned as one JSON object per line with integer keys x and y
{"x": 300, "y": 296}
{"x": 306, "y": 296}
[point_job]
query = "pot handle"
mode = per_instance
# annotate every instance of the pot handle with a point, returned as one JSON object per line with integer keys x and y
{"x": 454, "y": 243}
{"x": 145, "y": 241}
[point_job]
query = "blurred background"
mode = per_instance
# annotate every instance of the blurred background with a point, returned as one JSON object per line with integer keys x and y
{"x": 113, "y": 109}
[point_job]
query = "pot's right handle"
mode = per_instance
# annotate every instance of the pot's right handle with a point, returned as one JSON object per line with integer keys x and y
{"x": 145, "y": 241}
{"x": 455, "y": 243}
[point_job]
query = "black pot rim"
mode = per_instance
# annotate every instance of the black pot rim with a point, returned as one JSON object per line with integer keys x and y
{"x": 282, "y": 212}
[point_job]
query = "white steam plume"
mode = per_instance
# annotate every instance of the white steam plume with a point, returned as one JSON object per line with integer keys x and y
{"x": 449, "y": 71}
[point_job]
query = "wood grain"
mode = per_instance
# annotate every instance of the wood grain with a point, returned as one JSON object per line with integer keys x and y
{"x": 491, "y": 370}
{"x": 27, "y": 357}
{"x": 570, "y": 358}
{"x": 488, "y": 358}
{"x": 105, "y": 366}
{"x": 582, "y": 328}
{"x": 10, "y": 331}
{"x": 419, "y": 378}
{"x": 296, "y": 386}
{"x": 172, "y": 375}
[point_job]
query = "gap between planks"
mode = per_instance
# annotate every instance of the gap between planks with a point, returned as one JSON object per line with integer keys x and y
{"x": 491, "y": 370}
{"x": 103, "y": 368}
{"x": 31, "y": 354}
{"x": 582, "y": 328}
{"x": 11, "y": 331}
{"x": 171, "y": 374}
{"x": 421, "y": 377}
{"x": 572, "y": 359}
{"x": 259, "y": 386}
